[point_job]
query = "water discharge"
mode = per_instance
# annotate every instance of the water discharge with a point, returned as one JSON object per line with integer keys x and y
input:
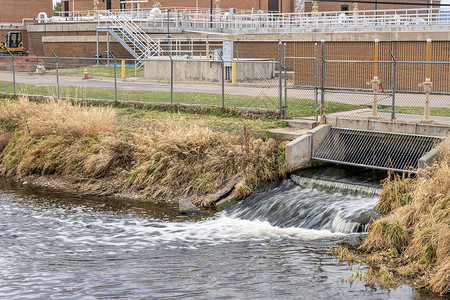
{"x": 272, "y": 245}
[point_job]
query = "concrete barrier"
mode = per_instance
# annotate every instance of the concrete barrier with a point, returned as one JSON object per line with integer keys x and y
{"x": 299, "y": 151}
{"x": 206, "y": 70}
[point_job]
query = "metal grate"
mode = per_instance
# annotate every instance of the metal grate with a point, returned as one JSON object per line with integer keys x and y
{"x": 374, "y": 149}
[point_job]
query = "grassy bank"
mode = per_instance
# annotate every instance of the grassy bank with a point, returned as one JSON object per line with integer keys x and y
{"x": 157, "y": 155}
{"x": 297, "y": 107}
{"x": 412, "y": 238}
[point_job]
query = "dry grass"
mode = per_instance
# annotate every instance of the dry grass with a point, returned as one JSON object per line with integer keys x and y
{"x": 418, "y": 224}
{"x": 163, "y": 160}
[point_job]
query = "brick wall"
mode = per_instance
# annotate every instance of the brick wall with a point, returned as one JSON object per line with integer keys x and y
{"x": 336, "y": 6}
{"x": 13, "y": 11}
{"x": 356, "y": 75}
{"x": 288, "y": 5}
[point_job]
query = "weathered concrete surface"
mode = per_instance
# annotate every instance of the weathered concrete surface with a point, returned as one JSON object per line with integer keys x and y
{"x": 310, "y": 124}
{"x": 390, "y": 126}
{"x": 207, "y": 70}
{"x": 299, "y": 151}
{"x": 429, "y": 158}
{"x": 288, "y": 133}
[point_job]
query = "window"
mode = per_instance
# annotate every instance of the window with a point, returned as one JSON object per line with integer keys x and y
{"x": 108, "y": 4}
{"x": 66, "y": 8}
{"x": 344, "y": 7}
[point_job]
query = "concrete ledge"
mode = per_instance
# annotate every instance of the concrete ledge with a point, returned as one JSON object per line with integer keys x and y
{"x": 299, "y": 151}
{"x": 429, "y": 158}
{"x": 302, "y": 123}
{"x": 390, "y": 126}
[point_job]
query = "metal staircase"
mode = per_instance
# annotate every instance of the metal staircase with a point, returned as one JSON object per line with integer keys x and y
{"x": 131, "y": 36}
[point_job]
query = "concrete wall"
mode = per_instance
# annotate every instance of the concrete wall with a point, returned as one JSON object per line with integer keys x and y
{"x": 298, "y": 151}
{"x": 195, "y": 70}
{"x": 388, "y": 126}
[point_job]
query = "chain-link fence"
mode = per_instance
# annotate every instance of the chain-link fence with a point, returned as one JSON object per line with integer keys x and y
{"x": 302, "y": 87}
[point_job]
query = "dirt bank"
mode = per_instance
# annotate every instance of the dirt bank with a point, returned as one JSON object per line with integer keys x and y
{"x": 136, "y": 153}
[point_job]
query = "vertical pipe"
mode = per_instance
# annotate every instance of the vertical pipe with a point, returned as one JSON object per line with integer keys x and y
{"x": 322, "y": 81}
{"x": 123, "y": 68}
{"x": 428, "y": 59}
{"x": 427, "y": 85}
{"x": 316, "y": 79}
{"x": 211, "y": 13}
{"x": 376, "y": 57}
{"x": 233, "y": 72}
{"x": 280, "y": 78}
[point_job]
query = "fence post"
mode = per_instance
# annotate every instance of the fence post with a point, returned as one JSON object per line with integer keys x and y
{"x": 322, "y": 81}
{"x": 57, "y": 73}
{"x": 316, "y": 80}
{"x": 171, "y": 78}
{"x": 280, "y": 78}
{"x": 14, "y": 71}
{"x": 285, "y": 84}
{"x": 115, "y": 79}
{"x": 394, "y": 83}
{"x": 222, "y": 63}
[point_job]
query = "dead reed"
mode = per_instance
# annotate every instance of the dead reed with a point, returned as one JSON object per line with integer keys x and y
{"x": 415, "y": 233}
{"x": 163, "y": 160}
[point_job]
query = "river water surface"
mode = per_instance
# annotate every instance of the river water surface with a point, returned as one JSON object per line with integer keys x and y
{"x": 58, "y": 246}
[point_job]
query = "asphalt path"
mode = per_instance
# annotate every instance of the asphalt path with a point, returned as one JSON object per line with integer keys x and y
{"x": 268, "y": 88}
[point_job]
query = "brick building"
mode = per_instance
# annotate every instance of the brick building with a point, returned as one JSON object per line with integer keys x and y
{"x": 13, "y": 11}
{"x": 264, "y": 5}
{"x": 287, "y": 6}
{"x": 349, "y": 6}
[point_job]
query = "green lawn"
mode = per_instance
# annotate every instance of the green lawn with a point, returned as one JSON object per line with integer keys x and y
{"x": 296, "y": 107}
{"x": 100, "y": 71}
{"x": 415, "y": 110}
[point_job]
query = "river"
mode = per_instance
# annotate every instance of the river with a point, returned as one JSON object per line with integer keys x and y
{"x": 270, "y": 246}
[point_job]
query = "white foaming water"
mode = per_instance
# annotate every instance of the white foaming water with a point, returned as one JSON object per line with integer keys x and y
{"x": 221, "y": 229}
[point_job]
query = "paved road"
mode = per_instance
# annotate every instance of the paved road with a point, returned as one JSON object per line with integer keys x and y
{"x": 261, "y": 89}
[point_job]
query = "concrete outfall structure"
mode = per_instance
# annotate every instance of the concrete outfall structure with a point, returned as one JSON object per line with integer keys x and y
{"x": 300, "y": 151}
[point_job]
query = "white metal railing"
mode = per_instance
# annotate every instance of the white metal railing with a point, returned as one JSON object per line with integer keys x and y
{"x": 222, "y": 20}
{"x": 131, "y": 34}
